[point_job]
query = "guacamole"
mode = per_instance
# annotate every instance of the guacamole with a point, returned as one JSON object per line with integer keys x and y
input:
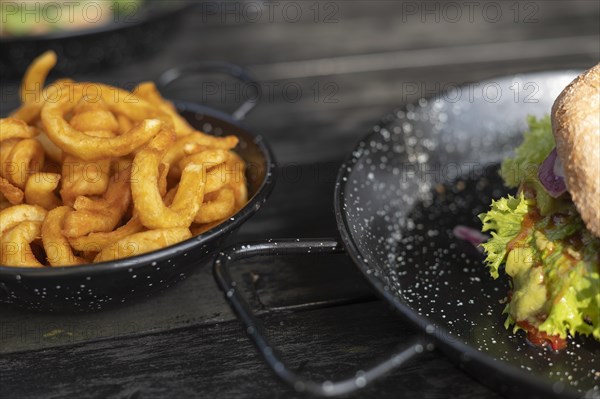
{"x": 552, "y": 260}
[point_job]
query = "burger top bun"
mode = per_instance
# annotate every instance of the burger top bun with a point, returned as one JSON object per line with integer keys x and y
{"x": 576, "y": 126}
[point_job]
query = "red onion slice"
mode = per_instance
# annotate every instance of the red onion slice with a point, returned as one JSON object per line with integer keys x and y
{"x": 551, "y": 175}
{"x": 470, "y": 234}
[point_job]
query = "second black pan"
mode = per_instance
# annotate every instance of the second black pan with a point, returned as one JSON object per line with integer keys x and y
{"x": 423, "y": 171}
{"x": 132, "y": 34}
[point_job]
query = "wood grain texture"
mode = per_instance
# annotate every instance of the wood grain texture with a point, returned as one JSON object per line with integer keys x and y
{"x": 218, "y": 361}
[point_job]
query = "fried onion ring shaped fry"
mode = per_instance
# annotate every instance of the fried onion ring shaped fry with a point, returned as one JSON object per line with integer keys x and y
{"x": 93, "y": 115}
{"x": 40, "y": 188}
{"x": 147, "y": 198}
{"x": 181, "y": 148}
{"x": 35, "y": 77}
{"x": 20, "y": 158}
{"x": 30, "y": 112}
{"x": 88, "y": 147}
{"x": 194, "y": 143}
{"x": 96, "y": 242}
{"x": 11, "y": 193}
{"x": 237, "y": 181}
{"x": 15, "y": 245}
{"x": 53, "y": 153}
{"x": 84, "y": 177}
{"x": 57, "y": 247}
{"x": 146, "y": 241}
{"x": 219, "y": 205}
{"x": 100, "y": 215}
{"x": 10, "y": 217}
{"x": 188, "y": 197}
{"x": 149, "y": 92}
{"x": 13, "y": 128}
{"x": 232, "y": 174}
{"x": 124, "y": 124}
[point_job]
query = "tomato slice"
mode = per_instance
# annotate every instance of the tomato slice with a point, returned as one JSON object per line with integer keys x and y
{"x": 540, "y": 338}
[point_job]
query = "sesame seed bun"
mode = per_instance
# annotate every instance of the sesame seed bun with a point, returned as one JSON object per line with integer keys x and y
{"x": 576, "y": 127}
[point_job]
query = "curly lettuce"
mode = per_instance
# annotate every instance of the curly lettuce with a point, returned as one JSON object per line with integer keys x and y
{"x": 538, "y": 142}
{"x": 552, "y": 259}
{"x": 570, "y": 279}
{"x": 504, "y": 221}
{"x": 523, "y": 167}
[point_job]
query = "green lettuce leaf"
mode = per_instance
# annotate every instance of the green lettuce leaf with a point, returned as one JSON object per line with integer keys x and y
{"x": 569, "y": 272}
{"x": 537, "y": 144}
{"x": 503, "y": 220}
{"x": 591, "y": 258}
{"x": 573, "y": 301}
{"x": 573, "y": 287}
{"x": 557, "y": 251}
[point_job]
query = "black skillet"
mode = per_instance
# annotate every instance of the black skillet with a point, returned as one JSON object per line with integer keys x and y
{"x": 97, "y": 286}
{"x": 131, "y": 34}
{"x": 424, "y": 170}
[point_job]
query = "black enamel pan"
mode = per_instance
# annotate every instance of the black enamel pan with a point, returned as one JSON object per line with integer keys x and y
{"x": 132, "y": 33}
{"x": 96, "y": 286}
{"x": 423, "y": 171}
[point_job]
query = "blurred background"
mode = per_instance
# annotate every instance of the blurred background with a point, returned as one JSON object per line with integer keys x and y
{"x": 332, "y": 67}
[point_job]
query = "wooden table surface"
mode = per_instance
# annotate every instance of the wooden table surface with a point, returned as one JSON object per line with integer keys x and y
{"x": 329, "y": 71}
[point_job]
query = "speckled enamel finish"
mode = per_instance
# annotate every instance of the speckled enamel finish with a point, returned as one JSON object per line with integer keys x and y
{"x": 97, "y": 286}
{"x": 424, "y": 170}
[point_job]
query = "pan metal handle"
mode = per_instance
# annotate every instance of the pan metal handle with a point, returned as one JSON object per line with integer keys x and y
{"x": 203, "y": 67}
{"x": 407, "y": 351}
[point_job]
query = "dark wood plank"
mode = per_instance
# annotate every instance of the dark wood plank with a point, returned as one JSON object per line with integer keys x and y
{"x": 360, "y": 27}
{"x": 218, "y": 361}
{"x": 331, "y": 113}
{"x": 301, "y": 282}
